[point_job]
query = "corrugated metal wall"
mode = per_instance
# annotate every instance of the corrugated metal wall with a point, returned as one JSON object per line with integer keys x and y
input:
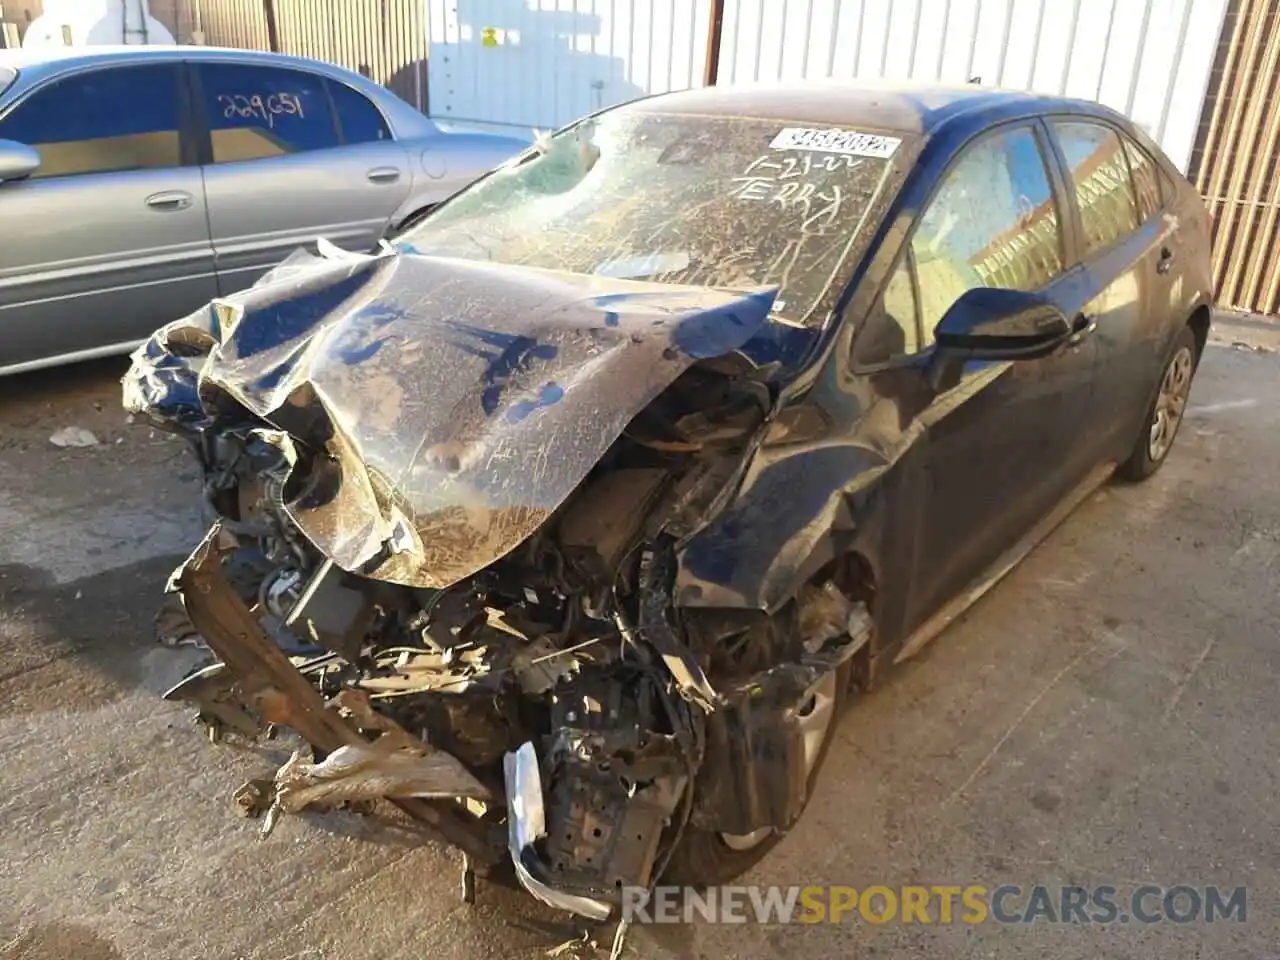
{"x": 1237, "y": 159}
{"x": 384, "y": 39}
{"x": 224, "y": 23}
{"x": 1147, "y": 58}
{"x": 542, "y": 63}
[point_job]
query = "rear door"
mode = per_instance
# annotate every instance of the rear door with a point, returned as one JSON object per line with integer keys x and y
{"x": 108, "y": 239}
{"x": 1128, "y": 246}
{"x": 292, "y": 156}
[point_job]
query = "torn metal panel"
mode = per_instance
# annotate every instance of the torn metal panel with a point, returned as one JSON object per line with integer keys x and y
{"x": 270, "y": 683}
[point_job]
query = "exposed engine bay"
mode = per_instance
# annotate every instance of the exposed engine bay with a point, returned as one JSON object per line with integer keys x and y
{"x": 473, "y": 618}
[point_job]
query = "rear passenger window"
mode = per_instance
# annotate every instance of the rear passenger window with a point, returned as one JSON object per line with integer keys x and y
{"x": 257, "y": 112}
{"x": 1104, "y": 192}
{"x": 1146, "y": 179}
{"x": 993, "y": 223}
{"x": 360, "y": 120}
{"x": 123, "y": 118}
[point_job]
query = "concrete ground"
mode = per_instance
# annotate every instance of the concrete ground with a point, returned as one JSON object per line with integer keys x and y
{"x": 1108, "y": 715}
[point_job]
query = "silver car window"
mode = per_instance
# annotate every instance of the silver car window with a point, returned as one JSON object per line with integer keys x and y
{"x": 80, "y": 123}
{"x": 359, "y": 121}
{"x": 255, "y": 112}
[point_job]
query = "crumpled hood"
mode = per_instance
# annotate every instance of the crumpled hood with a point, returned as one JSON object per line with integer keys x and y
{"x": 455, "y": 403}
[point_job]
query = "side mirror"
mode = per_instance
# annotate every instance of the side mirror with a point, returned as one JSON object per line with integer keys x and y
{"x": 991, "y": 324}
{"x": 17, "y": 160}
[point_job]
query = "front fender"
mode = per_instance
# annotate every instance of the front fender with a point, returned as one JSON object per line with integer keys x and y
{"x": 798, "y": 508}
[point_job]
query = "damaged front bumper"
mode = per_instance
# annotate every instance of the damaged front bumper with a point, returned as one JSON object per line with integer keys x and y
{"x": 599, "y": 811}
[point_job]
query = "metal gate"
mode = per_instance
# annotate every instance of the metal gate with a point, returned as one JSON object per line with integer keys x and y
{"x": 1236, "y": 160}
{"x": 542, "y": 63}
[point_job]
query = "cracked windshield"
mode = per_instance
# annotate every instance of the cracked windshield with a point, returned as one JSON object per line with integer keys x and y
{"x": 721, "y": 201}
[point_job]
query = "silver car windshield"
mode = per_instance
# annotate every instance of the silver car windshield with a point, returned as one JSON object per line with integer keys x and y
{"x": 710, "y": 201}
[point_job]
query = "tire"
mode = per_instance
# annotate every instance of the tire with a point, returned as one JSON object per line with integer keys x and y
{"x": 1170, "y": 401}
{"x": 705, "y": 859}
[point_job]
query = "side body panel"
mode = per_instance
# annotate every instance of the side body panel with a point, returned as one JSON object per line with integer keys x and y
{"x": 928, "y": 488}
{"x": 93, "y": 262}
{"x": 262, "y": 209}
{"x": 96, "y": 264}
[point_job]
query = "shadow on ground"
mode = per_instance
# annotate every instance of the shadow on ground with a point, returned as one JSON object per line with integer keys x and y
{"x": 83, "y": 643}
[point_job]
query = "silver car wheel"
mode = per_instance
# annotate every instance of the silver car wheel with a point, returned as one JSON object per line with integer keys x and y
{"x": 816, "y": 717}
{"x": 1170, "y": 404}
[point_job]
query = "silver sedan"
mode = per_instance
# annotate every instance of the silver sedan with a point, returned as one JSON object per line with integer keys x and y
{"x": 138, "y": 183}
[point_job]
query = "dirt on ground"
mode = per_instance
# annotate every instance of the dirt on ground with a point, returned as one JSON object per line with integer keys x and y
{"x": 1107, "y": 715}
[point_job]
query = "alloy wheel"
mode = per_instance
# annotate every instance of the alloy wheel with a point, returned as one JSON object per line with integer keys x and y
{"x": 1171, "y": 403}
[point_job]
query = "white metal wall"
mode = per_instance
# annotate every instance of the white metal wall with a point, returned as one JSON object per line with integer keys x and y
{"x": 1150, "y": 59}
{"x": 542, "y": 63}
{"x": 545, "y": 62}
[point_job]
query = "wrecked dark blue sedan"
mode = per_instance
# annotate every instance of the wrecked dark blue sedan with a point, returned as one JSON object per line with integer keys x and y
{"x": 567, "y": 519}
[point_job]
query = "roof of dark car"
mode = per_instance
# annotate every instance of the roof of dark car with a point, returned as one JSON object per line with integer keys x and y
{"x": 883, "y": 105}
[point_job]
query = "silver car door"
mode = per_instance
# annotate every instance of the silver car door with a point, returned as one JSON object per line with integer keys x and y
{"x": 292, "y": 157}
{"x": 108, "y": 239}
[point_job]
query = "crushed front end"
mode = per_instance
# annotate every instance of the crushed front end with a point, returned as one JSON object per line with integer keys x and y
{"x": 448, "y": 499}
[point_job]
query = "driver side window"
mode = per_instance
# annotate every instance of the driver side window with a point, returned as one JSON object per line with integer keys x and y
{"x": 102, "y": 121}
{"x": 993, "y": 223}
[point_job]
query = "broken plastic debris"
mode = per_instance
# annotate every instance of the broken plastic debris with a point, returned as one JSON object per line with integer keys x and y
{"x": 73, "y": 437}
{"x": 367, "y": 772}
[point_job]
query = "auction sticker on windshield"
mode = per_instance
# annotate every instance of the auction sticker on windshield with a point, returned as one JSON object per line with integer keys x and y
{"x": 833, "y": 140}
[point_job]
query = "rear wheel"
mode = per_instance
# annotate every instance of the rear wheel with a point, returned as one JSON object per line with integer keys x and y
{"x": 709, "y": 858}
{"x": 1166, "y": 411}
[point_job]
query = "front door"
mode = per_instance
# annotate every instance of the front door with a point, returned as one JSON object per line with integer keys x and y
{"x": 108, "y": 239}
{"x": 292, "y": 156}
{"x": 1003, "y": 446}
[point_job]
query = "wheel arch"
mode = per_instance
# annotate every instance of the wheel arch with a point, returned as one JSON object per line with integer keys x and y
{"x": 1199, "y": 321}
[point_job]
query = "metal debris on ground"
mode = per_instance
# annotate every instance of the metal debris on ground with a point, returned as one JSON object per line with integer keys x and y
{"x": 575, "y": 947}
{"x": 73, "y": 437}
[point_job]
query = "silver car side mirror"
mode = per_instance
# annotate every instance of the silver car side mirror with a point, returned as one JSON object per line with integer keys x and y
{"x": 17, "y": 160}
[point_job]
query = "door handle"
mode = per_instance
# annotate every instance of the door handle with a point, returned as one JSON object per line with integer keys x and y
{"x": 169, "y": 200}
{"x": 383, "y": 175}
{"x": 1165, "y": 263}
{"x": 1083, "y": 326}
